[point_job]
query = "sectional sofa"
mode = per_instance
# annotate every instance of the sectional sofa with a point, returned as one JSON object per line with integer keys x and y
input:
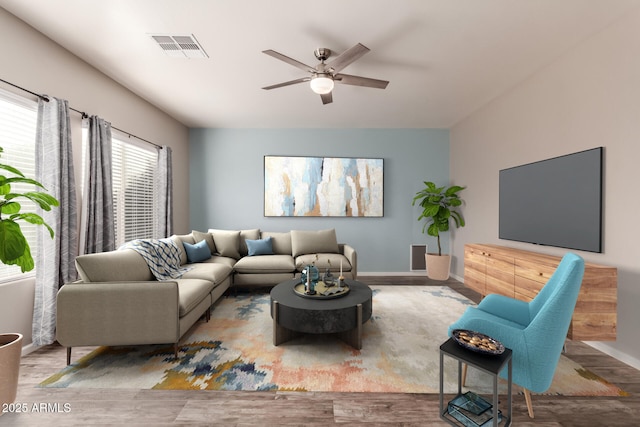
{"x": 120, "y": 301}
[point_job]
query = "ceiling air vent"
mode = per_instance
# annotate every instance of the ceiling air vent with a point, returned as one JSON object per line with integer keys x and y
{"x": 180, "y": 46}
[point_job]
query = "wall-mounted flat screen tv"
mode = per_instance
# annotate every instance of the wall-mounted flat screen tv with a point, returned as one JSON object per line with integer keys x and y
{"x": 554, "y": 202}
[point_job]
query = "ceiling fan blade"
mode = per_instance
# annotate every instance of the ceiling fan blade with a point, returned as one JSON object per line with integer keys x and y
{"x": 289, "y": 83}
{"x": 347, "y": 79}
{"x": 290, "y": 61}
{"x": 347, "y": 57}
{"x": 327, "y": 98}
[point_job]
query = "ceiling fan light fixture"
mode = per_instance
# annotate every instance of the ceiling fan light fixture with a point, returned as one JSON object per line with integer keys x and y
{"x": 321, "y": 84}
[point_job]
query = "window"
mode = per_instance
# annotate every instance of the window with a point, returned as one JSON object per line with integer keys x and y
{"x": 133, "y": 181}
{"x": 18, "y": 121}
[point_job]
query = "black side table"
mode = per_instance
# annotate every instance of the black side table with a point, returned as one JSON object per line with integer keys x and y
{"x": 488, "y": 363}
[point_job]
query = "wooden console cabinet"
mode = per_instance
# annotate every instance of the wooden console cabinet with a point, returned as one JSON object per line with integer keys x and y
{"x": 493, "y": 269}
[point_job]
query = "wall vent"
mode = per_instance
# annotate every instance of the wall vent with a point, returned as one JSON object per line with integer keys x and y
{"x": 180, "y": 46}
{"x": 416, "y": 258}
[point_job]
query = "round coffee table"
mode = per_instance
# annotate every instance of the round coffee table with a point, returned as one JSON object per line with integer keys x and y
{"x": 293, "y": 314}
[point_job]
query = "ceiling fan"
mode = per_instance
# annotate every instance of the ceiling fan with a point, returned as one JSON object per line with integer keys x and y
{"x": 323, "y": 76}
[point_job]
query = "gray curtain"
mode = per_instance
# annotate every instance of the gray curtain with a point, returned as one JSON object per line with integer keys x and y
{"x": 163, "y": 195}
{"x": 55, "y": 258}
{"x": 99, "y": 230}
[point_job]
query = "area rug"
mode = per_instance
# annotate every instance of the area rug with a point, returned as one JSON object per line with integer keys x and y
{"x": 234, "y": 351}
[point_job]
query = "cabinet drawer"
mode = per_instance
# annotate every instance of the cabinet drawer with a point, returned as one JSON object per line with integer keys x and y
{"x": 500, "y": 279}
{"x": 527, "y": 288}
{"x": 534, "y": 271}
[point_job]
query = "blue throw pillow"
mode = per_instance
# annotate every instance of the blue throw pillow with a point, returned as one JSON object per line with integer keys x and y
{"x": 260, "y": 247}
{"x": 198, "y": 252}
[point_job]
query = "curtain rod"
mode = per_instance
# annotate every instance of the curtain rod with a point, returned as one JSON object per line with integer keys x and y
{"x": 84, "y": 115}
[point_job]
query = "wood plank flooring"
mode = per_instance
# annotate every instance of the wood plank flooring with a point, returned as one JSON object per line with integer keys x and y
{"x": 83, "y": 407}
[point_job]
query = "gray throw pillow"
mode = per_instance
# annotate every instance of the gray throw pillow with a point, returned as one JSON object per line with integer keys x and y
{"x": 281, "y": 241}
{"x": 313, "y": 242}
{"x": 227, "y": 243}
{"x": 198, "y": 236}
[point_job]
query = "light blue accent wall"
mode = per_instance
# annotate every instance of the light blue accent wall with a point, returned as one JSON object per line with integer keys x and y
{"x": 227, "y": 184}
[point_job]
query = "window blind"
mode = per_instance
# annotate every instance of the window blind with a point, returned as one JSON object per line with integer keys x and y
{"x": 18, "y": 121}
{"x": 133, "y": 181}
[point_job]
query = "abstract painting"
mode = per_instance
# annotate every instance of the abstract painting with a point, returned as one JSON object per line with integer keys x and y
{"x": 323, "y": 186}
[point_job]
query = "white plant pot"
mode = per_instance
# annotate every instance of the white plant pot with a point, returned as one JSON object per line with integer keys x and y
{"x": 10, "y": 352}
{"x": 438, "y": 266}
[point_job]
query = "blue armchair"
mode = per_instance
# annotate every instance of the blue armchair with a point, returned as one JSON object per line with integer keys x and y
{"x": 535, "y": 331}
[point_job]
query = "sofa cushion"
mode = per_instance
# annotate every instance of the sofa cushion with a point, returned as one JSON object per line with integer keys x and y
{"x": 259, "y": 247}
{"x": 191, "y": 292}
{"x": 211, "y": 271}
{"x": 207, "y": 237}
{"x": 323, "y": 262}
{"x": 227, "y": 243}
{"x": 217, "y": 259}
{"x": 266, "y": 264}
{"x": 247, "y": 234}
{"x": 125, "y": 265}
{"x": 312, "y": 242}
{"x": 281, "y": 242}
{"x": 197, "y": 252}
{"x": 179, "y": 240}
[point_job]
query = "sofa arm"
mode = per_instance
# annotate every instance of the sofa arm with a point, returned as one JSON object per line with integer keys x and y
{"x": 352, "y": 256}
{"x": 117, "y": 313}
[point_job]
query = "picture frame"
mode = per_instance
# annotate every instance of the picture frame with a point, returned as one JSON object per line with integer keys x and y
{"x": 296, "y": 186}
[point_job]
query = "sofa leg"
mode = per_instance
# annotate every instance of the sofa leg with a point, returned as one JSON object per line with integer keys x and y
{"x": 68, "y": 356}
{"x": 175, "y": 351}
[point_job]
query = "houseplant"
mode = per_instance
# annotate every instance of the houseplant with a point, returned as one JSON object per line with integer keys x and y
{"x": 14, "y": 250}
{"x": 439, "y": 206}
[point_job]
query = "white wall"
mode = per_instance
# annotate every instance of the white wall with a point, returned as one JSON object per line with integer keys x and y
{"x": 34, "y": 62}
{"x": 587, "y": 98}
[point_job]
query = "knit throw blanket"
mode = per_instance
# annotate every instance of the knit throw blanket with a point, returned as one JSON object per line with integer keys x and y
{"x": 162, "y": 257}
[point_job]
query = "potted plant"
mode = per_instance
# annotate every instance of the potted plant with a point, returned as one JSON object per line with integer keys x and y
{"x": 14, "y": 250}
{"x": 438, "y": 208}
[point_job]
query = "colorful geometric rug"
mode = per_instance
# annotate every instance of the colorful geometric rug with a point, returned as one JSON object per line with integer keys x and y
{"x": 234, "y": 351}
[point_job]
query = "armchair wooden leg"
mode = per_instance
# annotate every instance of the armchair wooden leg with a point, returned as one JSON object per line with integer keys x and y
{"x": 527, "y": 398}
{"x": 464, "y": 374}
{"x": 68, "y": 356}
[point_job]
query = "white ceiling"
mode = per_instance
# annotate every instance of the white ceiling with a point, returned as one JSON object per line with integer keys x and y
{"x": 444, "y": 58}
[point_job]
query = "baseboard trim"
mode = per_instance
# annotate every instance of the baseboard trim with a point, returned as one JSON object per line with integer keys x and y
{"x": 616, "y": 354}
{"x": 391, "y": 273}
{"x": 402, "y": 273}
{"x": 29, "y": 348}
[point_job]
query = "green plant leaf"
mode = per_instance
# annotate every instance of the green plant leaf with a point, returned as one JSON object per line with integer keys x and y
{"x": 430, "y": 210}
{"x": 4, "y": 189}
{"x": 33, "y": 219}
{"x": 433, "y": 230}
{"x": 12, "y": 241}
{"x": 453, "y": 190}
{"x": 11, "y": 169}
{"x": 23, "y": 181}
{"x": 44, "y": 200}
{"x": 10, "y": 208}
{"x": 25, "y": 262}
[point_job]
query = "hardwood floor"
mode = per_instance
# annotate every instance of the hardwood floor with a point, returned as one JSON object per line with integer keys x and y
{"x": 64, "y": 407}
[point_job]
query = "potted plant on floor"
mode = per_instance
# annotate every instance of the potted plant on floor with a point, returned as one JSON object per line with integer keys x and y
{"x": 14, "y": 250}
{"x": 438, "y": 208}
